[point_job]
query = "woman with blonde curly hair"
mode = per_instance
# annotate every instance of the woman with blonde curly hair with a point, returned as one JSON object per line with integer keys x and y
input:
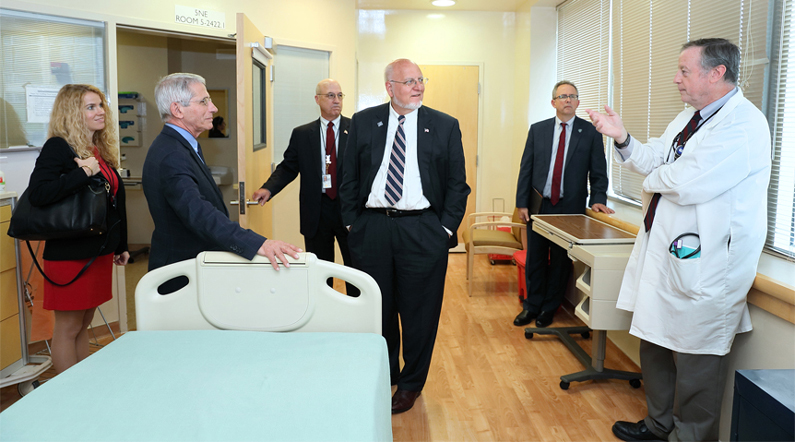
{"x": 81, "y": 147}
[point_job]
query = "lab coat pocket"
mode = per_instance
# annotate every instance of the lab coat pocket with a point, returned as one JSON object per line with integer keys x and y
{"x": 684, "y": 276}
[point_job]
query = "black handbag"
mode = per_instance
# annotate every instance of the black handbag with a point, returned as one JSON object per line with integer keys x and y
{"x": 81, "y": 214}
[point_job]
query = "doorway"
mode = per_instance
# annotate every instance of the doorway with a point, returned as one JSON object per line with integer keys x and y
{"x": 455, "y": 90}
{"x": 143, "y": 57}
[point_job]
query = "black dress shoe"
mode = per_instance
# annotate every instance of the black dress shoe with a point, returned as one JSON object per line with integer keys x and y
{"x": 545, "y": 318}
{"x": 524, "y": 318}
{"x": 633, "y": 431}
{"x": 403, "y": 400}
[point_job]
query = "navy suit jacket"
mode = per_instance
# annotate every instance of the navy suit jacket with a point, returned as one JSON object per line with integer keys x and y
{"x": 187, "y": 206}
{"x": 584, "y": 160}
{"x": 440, "y": 155}
{"x": 303, "y": 156}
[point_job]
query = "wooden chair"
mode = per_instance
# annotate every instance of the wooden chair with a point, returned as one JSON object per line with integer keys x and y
{"x": 482, "y": 237}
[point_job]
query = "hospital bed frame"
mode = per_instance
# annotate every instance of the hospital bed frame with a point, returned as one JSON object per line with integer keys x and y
{"x": 228, "y": 292}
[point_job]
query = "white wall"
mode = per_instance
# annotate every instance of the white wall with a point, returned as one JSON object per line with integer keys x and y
{"x": 452, "y": 38}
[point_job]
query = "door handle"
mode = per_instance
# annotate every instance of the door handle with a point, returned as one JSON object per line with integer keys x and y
{"x": 248, "y": 203}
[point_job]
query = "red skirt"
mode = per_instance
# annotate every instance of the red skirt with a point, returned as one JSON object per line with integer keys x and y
{"x": 93, "y": 288}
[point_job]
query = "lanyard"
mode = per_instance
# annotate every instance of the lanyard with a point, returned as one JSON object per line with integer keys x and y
{"x": 325, "y": 156}
{"x": 678, "y": 145}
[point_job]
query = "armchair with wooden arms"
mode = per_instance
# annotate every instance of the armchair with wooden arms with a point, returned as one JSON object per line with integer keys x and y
{"x": 484, "y": 237}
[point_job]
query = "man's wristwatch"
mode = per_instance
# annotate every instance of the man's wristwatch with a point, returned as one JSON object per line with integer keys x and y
{"x": 624, "y": 144}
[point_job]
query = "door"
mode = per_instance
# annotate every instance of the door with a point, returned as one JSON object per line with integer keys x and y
{"x": 299, "y": 71}
{"x": 454, "y": 91}
{"x": 254, "y": 122}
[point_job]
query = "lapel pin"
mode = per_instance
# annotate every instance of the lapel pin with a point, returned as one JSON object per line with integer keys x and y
{"x": 426, "y": 130}
{"x": 345, "y": 131}
{"x": 379, "y": 124}
{"x": 579, "y": 130}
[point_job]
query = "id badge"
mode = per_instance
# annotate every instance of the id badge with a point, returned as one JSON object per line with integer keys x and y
{"x": 326, "y": 181}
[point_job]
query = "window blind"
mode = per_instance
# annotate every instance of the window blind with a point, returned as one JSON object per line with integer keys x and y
{"x": 781, "y": 113}
{"x": 583, "y": 51}
{"x": 43, "y": 51}
{"x": 648, "y": 36}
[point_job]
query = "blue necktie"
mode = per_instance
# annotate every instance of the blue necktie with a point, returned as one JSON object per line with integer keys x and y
{"x": 201, "y": 154}
{"x": 397, "y": 163}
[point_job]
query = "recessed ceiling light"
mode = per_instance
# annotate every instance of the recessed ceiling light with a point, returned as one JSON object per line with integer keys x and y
{"x": 443, "y": 3}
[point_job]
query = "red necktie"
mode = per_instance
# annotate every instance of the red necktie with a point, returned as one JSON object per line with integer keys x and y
{"x": 557, "y": 172}
{"x": 681, "y": 139}
{"x": 331, "y": 151}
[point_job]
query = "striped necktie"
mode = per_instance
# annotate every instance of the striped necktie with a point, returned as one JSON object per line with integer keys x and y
{"x": 397, "y": 163}
{"x": 680, "y": 140}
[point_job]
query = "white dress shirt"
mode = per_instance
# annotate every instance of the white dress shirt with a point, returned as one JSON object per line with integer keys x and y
{"x": 413, "y": 198}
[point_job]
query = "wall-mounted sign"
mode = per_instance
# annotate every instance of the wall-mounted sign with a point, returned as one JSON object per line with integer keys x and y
{"x": 39, "y": 100}
{"x": 199, "y": 17}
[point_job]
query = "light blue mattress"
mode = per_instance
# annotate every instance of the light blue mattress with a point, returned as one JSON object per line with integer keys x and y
{"x": 215, "y": 386}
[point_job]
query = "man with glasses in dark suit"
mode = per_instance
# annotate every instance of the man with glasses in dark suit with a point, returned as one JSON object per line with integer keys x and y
{"x": 404, "y": 193}
{"x": 561, "y": 155}
{"x": 316, "y": 151}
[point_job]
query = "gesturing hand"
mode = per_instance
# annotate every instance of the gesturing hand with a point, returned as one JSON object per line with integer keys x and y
{"x": 609, "y": 124}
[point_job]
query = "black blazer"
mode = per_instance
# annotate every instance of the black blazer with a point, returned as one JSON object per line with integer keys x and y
{"x": 303, "y": 156}
{"x": 440, "y": 155}
{"x": 187, "y": 206}
{"x": 585, "y": 160}
{"x": 55, "y": 176}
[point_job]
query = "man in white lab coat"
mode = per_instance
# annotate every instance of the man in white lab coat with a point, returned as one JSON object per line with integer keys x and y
{"x": 695, "y": 258}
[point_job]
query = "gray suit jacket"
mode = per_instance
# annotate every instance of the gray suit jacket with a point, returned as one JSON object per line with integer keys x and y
{"x": 187, "y": 206}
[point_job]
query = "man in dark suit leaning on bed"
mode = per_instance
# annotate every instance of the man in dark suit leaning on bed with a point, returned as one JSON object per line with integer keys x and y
{"x": 186, "y": 205}
{"x": 316, "y": 151}
{"x": 561, "y": 155}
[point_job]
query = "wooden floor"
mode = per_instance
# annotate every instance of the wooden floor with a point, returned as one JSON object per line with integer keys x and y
{"x": 487, "y": 382}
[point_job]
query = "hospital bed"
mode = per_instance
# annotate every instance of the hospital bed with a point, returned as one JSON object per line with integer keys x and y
{"x": 206, "y": 364}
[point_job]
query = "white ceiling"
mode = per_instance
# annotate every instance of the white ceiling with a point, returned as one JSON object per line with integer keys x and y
{"x": 461, "y": 5}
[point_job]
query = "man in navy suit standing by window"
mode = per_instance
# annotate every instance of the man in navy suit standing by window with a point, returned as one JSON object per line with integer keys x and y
{"x": 561, "y": 155}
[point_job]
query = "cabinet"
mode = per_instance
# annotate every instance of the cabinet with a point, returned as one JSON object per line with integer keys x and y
{"x": 764, "y": 405}
{"x": 605, "y": 251}
{"x": 16, "y": 366}
{"x": 10, "y": 330}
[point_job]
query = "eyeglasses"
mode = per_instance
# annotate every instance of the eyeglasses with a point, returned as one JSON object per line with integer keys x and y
{"x": 412, "y": 81}
{"x": 204, "y": 101}
{"x": 564, "y": 96}
{"x": 331, "y": 95}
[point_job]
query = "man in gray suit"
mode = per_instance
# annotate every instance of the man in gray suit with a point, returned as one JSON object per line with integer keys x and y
{"x": 186, "y": 205}
{"x": 561, "y": 155}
